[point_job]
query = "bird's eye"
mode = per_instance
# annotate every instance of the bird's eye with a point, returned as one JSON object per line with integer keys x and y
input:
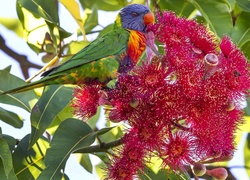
{"x": 134, "y": 14}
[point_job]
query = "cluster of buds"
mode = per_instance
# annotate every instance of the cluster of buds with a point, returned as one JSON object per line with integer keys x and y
{"x": 183, "y": 106}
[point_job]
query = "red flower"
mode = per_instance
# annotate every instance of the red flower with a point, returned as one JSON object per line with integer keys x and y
{"x": 86, "y": 100}
{"x": 179, "y": 150}
{"x": 128, "y": 160}
{"x": 236, "y": 68}
{"x": 183, "y": 106}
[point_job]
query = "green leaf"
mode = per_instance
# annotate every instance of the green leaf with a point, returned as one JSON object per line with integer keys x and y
{"x": 180, "y": 7}
{"x": 103, "y": 156}
{"x": 11, "y": 175}
{"x": 73, "y": 7}
{"x": 10, "y": 118}
{"x": 28, "y": 163}
{"x": 5, "y": 155}
{"x": 247, "y": 108}
{"x": 63, "y": 115}
{"x": 245, "y": 50}
{"x": 93, "y": 120}
{"x": 39, "y": 17}
{"x": 91, "y": 20}
{"x": 85, "y": 162}
{"x": 100, "y": 169}
{"x": 24, "y": 100}
{"x": 163, "y": 174}
{"x": 215, "y": 12}
{"x": 12, "y": 24}
{"x": 71, "y": 135}
{"x": 34, "y": 28}
{"x": 8, "y": 68}
{"x": 54, "y": 99}
{"x": 104, "y": 130}
{"x": 110, "y": 5}
{"x": 244, "y": 5}
{"x": 107, "y": 135}
{"x": 241, "y": 31}
{"x": 11, "y": 141}
{"x": 42, "y": 8}
{"x": 247, "y": 154}
{"x": 231, "y": 4}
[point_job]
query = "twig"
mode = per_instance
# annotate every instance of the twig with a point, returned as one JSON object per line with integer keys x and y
{"x": 24, "y": 63}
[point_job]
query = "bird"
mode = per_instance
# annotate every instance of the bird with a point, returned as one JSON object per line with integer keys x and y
{"x": 116, "y": 52}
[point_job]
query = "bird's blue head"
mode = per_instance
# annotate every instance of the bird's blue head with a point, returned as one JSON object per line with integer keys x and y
{"x": 135, "y": 17}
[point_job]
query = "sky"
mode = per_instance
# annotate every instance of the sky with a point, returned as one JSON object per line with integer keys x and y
{"x": 73, "y": 169}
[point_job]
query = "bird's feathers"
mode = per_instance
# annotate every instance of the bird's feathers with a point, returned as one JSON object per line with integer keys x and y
{"x": 113, "y": 43}
{"x": 117, "y": 51}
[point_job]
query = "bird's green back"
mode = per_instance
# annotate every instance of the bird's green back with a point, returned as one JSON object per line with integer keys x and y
{"x": 112, "y": 44}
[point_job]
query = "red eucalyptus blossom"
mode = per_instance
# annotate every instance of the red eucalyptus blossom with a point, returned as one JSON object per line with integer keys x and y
{"x": 86, "y": 100}
{"x": 183, "y": 107}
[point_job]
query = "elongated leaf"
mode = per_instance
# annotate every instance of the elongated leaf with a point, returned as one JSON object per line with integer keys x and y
{"x": 163, "y": 174}
{"x": 180, "y": 7}
{"x": 11, "y": 118}
{"x": 39, "y": 17}
{"x": 42, "y": 8}
{"x": 215, "y": 12}
{"x": 28, "y": 163}
{"x": 13, "y": 24}
{"x": 34, "y": 28}
{"x": 11, "y": 141}
{"x": 94, "y": 119}
{"x": 110, "y": 5}
{"x": 5, "y": 155}
{"x": 11, "y": 175}
{"x": 25, "y": 100}
{"x": 241, "y": 31}
{"x": 54, "y": 99}
{"x": 84, "y": 160}
{"x": 8, "y": 68}
{"x": 245, "y": 49}
{"x": 100, "y": 170}
{"x": 244, "y": 5}
{"x": 73, "y": 7}
{"x": 92, "y": 20}
{"x": 63, "y": 115}
{"x": 71, "y": 135}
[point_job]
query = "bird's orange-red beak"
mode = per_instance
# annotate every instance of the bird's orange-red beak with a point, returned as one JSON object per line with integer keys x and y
{"x": 149, "y": 18}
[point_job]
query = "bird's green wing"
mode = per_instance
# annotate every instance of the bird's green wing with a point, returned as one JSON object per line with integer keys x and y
{"x": 113, "y": 43}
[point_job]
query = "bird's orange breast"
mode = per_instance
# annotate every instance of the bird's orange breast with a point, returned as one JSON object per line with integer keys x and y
{"x": 136, "y": 45}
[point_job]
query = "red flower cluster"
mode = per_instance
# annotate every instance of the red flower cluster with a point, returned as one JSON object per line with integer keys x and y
{"x": 183, "y": 107}
{"x": 86, "y": 100}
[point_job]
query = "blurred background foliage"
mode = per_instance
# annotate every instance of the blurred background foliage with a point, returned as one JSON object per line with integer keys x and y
{"x": 38, "y": 23}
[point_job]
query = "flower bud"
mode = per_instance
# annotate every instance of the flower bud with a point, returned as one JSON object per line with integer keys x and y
{"x": 199, "y": 169}
{"x": 134, "y": 103}
{"x": 211, "y": 61}
{"x": 230, "y": 106}
{"x": 218, "y": 173}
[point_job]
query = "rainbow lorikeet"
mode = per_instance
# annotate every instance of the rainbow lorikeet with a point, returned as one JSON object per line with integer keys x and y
{"x": 116, "y": 52}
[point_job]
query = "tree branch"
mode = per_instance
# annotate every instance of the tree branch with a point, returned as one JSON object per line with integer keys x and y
{"x": 103, "y": 147}
{"x": 24, "y": 63}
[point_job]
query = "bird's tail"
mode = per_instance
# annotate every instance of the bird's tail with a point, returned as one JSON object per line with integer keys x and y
{"x": 40, "y": 83}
